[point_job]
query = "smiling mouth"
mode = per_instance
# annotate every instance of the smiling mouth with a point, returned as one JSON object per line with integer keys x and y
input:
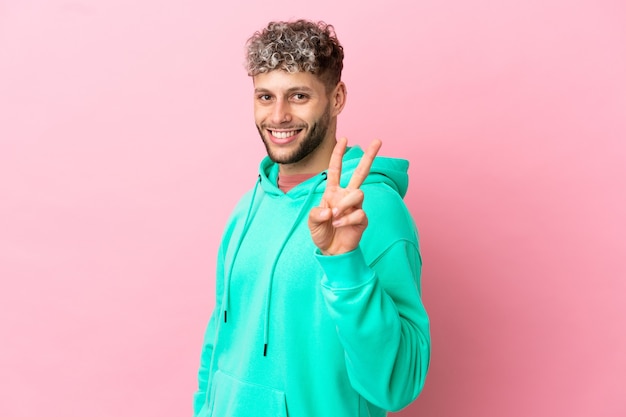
{"x": 284, "y": 134}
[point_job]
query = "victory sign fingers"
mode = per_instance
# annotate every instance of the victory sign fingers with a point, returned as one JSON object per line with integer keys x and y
{"x": 362, "y": 170}
{"x": 338, "y": 224}
{"x": 346, "y": 200}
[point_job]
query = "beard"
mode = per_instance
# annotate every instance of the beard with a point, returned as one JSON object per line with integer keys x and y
{"x": 307, "y": 145}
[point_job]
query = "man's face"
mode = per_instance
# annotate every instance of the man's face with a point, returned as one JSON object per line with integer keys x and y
{"x": 292, "y": 112}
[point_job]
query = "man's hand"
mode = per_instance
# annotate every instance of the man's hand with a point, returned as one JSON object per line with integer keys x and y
{"x": 338, "y": 224}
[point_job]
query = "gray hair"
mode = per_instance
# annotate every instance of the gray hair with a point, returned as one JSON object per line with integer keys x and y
{"x": 299, "y": 46}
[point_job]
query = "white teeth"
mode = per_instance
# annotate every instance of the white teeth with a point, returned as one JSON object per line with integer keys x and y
{"x": 283, "y": 135}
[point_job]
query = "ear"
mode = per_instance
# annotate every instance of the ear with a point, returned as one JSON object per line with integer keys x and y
{"x": 338, "y": 98}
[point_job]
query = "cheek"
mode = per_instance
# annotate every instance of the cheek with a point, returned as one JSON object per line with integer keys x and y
{"x": 315, "y": 116}
{"x": 308, "y": 115}
{"x": 259, "y": 115}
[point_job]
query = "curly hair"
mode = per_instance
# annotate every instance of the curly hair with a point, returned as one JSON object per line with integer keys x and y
{"x": 296, "y": 46}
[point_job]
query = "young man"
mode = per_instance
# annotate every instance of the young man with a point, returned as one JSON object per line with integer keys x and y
{"x": 318, "y": 309}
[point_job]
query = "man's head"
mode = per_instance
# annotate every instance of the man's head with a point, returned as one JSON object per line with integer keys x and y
{"x": 296, "y": 70}
{"x": 300, "y": 46}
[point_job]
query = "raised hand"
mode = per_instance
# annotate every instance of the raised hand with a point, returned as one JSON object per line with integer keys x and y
{"x": 338, "y": 223}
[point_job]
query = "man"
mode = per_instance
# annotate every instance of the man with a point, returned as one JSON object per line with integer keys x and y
{"x": 318, "y": 309}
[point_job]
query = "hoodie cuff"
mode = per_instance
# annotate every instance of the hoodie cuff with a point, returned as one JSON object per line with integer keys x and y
{"x": 348, "y": 270}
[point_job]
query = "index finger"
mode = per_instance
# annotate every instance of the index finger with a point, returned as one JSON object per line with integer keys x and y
{"x": 334, "y": 166}
{"x": 363, "y": 169}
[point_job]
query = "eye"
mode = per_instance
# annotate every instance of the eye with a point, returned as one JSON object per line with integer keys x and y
{"x": 264, "y": 97}
{"x": 300, "y": 97}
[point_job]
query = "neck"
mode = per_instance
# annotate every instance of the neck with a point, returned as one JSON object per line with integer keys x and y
{"x": 314, "y": 163}
{"x": 286, "y": 182}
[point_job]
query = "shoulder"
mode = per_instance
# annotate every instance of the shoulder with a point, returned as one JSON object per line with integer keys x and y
{"x": 389, "y": 219}
{"x": 239, "y": 213}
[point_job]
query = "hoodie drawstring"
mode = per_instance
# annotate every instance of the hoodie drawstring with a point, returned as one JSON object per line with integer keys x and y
{"x": 246, "y": 226}
{"x": 268, "y": 295}
{"x": 226, "y": 300}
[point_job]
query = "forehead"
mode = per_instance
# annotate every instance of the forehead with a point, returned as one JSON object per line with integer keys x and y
{"x": 280, "y": 80}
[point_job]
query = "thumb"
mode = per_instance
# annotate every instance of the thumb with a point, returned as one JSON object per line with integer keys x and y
{"x": 319, "y": 215}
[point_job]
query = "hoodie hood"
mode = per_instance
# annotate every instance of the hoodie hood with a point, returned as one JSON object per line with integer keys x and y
{"x": 390, "y": 171}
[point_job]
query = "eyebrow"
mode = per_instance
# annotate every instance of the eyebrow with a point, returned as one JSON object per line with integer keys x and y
{"x": 289, "y": 90}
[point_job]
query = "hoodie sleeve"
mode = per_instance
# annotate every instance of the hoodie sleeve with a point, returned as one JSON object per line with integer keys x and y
{"x": 204, "y": 376}
{"x": 200, "y": 396}
{"x": 380, "y": 318}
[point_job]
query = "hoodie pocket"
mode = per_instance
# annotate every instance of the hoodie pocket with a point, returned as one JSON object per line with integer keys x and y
{"x": 231, "y": 397}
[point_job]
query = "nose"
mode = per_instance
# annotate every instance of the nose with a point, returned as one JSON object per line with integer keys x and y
{"x": 280, "y": 112}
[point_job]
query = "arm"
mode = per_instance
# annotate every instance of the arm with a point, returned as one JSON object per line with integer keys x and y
{"x": 200, "y": 396}
{"x": 204, "y": 376}
{"x": 381, "y": 322}
{"x": 376, "y": 304}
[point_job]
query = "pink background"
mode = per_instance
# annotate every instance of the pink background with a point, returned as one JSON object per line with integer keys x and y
{"x": 126, "y": 137}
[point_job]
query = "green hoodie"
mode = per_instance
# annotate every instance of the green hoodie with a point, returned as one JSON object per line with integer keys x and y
{"x": 295, "y": 333}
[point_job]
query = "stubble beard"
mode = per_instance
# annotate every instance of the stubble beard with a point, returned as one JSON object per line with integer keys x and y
{"x": 307, "y": 145}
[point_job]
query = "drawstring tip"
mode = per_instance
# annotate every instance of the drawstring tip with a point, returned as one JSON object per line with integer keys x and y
{"x": 265, "y": 349}
{"x": 225, "y": 316}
